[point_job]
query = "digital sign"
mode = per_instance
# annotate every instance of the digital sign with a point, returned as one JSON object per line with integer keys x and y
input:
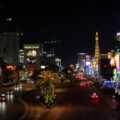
{"x": 112, "y": 61}
{"x": 32, "y": 53}
{"x": 31, "y": 60}
{"x": 88, "y": 63}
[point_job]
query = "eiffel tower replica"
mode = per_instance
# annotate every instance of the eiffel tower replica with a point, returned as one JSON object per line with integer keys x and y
{"x": 97, "y": 51}
{"x": 97, "y": 54}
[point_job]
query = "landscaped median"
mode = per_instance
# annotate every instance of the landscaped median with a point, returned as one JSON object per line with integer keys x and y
{"x": 32, "y": 95}
{"x": 48, "y": 98}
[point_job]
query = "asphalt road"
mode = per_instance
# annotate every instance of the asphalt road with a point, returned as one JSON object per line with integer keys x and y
{"x": 12, "y": 109}
{"x": 74, "y": 103}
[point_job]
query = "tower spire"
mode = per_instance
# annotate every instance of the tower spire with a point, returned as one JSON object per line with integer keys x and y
{"x": 97, "y": 51}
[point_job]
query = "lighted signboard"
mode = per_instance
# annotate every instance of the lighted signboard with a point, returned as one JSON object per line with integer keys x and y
{"x": 117, "y": 60}
{"x": 42, "y": 66}
{"x": 118, "y": 70}
{"x": 93, "y": 61}
{"x": 32, "y": 53}
{"x": 31, "y": 70}
{"x": 88, "y": 63}
{"x": 115, "y": 74}
{"x": 31, "y": 60}
{"x": 71, "y": 66}
{"x": 9, "y": 67}
{"x": 112, "y": 61}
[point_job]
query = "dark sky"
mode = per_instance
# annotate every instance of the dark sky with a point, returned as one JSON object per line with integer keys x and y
{"x": 72, "y": 23}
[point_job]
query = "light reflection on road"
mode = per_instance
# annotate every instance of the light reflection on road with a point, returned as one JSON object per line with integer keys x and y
{"x": 10, "y": 98}
{"x": 2, "y": 106}
{"x": 11, "y": 101}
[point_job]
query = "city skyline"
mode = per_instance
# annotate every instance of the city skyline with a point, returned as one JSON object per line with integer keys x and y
{"x": 72, "y": 23}
{"x": 59, "y": 60}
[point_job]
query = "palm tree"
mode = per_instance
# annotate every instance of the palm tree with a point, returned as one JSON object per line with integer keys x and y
{"x": 47, "y": 79}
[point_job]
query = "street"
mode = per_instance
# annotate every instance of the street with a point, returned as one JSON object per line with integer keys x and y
{"x": 12, "y": 109}
{"x": 74, "y": 103}
{"x": 59, "y": 60}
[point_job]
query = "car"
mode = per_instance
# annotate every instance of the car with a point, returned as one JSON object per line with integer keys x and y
{"x": 11, "y": 92}
{"x": 17, "y": 87}
{"x": 94, "y": 96}
{"x": 82, "y": 84}
{"x": 3, "y": 97}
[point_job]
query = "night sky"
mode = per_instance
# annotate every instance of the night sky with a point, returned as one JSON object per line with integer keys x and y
{"x": 72, "y": 23}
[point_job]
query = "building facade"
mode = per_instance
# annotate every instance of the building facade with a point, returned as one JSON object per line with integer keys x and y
{"x": 81, "y": 61}
{"x": 21, "y": 56}
{"x": 9, "y": 47}
{"x": 105, "y": 68}
{"x": 31, "y": 56}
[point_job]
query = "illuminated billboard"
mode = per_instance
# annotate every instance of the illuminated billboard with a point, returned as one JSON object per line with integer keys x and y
{"x": 31, "y": 60}
{"x": 93, "y": 61}
{"x": 117, "y": 60}
{"x": 9, "y": 67}
{"x": 32, "y": 53}
{"x": 88, "y": 63}
{"x": 112, "y": 61}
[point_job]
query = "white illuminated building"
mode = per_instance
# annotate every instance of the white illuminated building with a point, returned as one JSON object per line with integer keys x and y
{"x": 81, "y": 61}
{"x": 21, "y": 56}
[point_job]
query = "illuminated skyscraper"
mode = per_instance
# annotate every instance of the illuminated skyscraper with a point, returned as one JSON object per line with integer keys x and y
{"x": 97, "y": 51}
{"x": 9, "y": 36}
{"x": 9, "y": 46}
{"x": 81, "y": 61}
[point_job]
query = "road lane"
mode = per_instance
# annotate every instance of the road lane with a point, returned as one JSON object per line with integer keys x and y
{"x": 12, "y": 109}
{"x": 74, "y": 103}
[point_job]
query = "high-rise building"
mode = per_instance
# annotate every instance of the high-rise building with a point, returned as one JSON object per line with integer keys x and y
{"x": 110, "y": 54}
{"x": 115, "y": 60}
{"x": 9, "y": 47}
{"x": 21, "y": 56}
{"x": 81, "y": 61}
{"x": 9, "y": 36}
{"x": 105, "y": 68}
{"x": 117, "y": 42}
{"x": 97, "y": 51}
